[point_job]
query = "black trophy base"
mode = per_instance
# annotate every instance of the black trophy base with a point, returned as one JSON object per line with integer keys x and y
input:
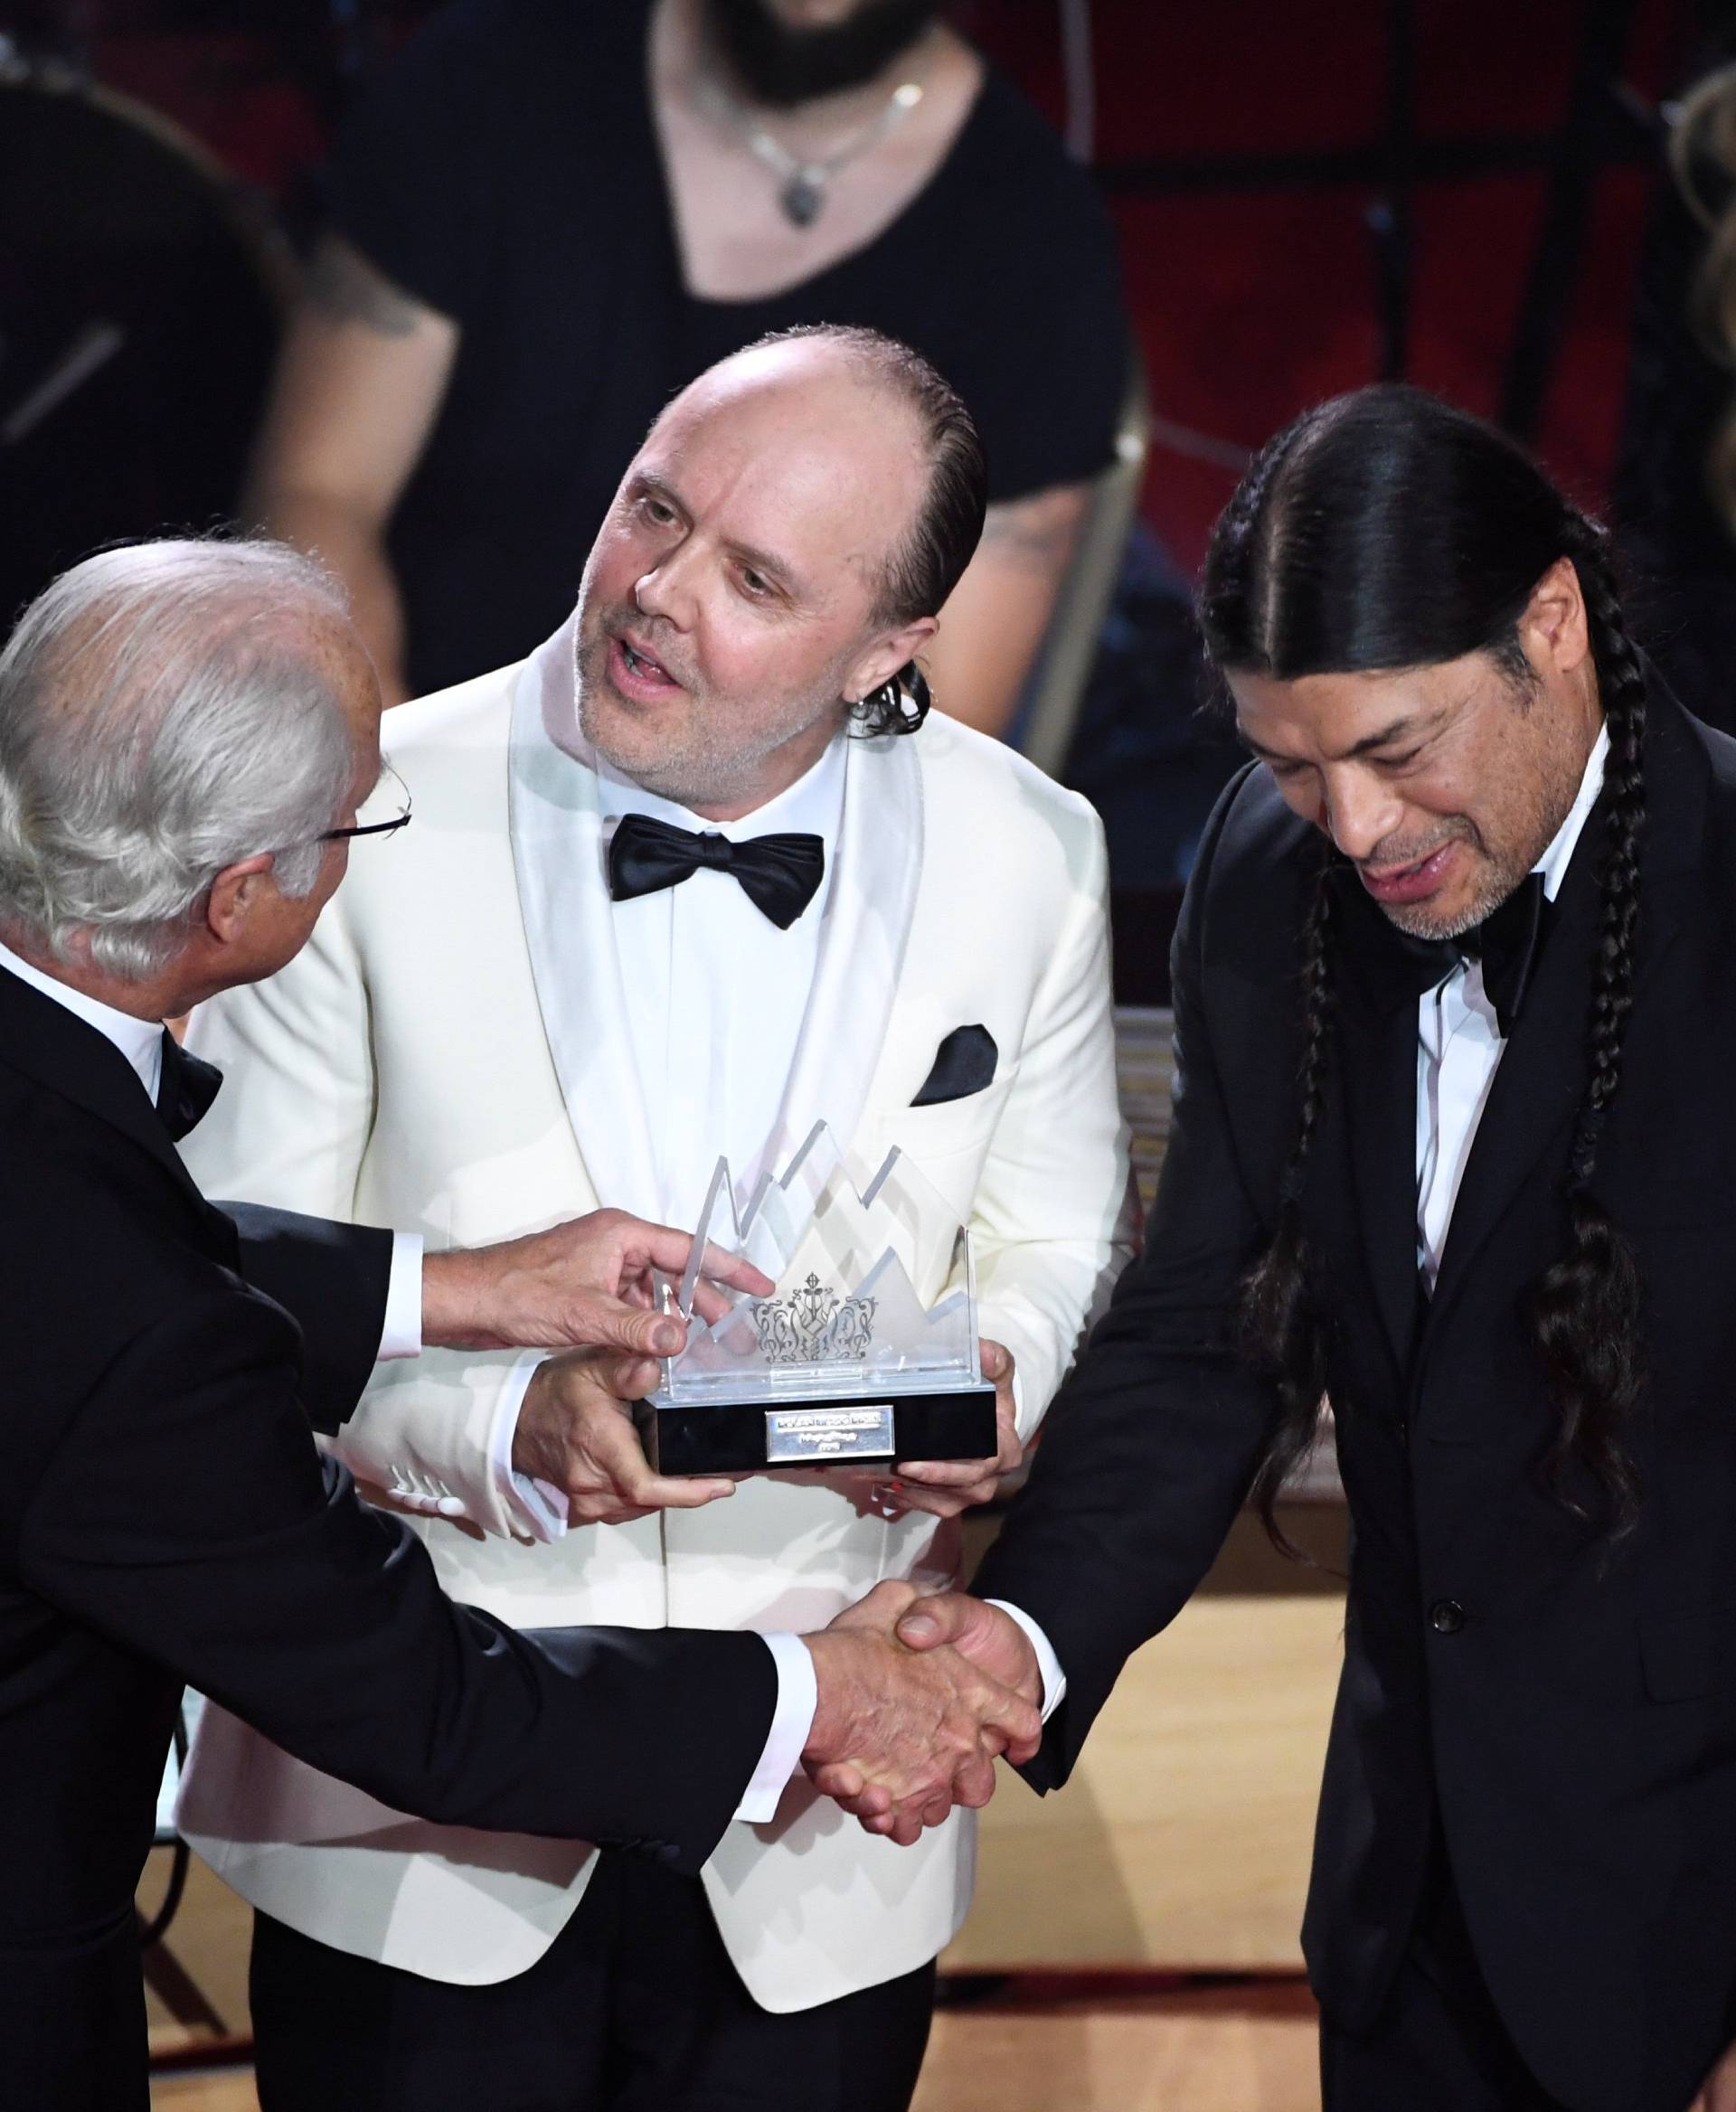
{"x": 875, "y": 1429}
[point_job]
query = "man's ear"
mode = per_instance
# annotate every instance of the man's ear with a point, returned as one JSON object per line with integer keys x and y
{"x": 1554, "y": 626}
{"x": 236, "y": 893}
{"x": 886, "y": 656}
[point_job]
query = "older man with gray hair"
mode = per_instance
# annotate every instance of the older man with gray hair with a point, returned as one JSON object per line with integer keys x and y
{"x": 187, "y": 731}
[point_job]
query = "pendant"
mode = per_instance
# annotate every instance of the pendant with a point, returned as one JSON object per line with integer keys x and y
{"x": 802, "y": 196}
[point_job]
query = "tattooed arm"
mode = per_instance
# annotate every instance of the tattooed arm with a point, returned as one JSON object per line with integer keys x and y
{"x": 993, "y": 625}
{"x": 361, "y": 378}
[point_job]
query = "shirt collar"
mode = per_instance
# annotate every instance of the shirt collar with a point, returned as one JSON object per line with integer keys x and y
{"x": 813, "y": 804}
{"x": 1555, "y": 861}
{"x": 139, "y": 1041}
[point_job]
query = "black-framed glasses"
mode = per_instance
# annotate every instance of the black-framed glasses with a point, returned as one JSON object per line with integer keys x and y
{"x": 373, "y": 828}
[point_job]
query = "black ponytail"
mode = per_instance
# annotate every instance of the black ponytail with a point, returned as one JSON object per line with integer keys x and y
{"x": 899, "y": 705}
{"x": 1386, "y": 529}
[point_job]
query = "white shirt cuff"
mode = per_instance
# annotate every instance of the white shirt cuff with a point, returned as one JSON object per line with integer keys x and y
{"x": 402, "y": 1334}
{"x": 798, "y": 1696}
{"x": 538, "y": 1507}
{"x": 1055, "y": 1680}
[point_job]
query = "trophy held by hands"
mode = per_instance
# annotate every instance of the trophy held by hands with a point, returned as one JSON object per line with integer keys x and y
{"x": 866, "y": 1350}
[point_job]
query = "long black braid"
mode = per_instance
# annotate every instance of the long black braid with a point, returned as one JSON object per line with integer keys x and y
{"x": 1386, "y": 529}
{"x": 1282, "y": 1323}
{"x": 1585, "y": 1311}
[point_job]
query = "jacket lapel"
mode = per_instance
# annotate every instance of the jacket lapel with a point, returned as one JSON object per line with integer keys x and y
{"x": 876, "y": 872}
{"x": 1524, "y": 1132}
{"x": 1536, "y": 1086}
{"x": 558, "y": 856}
{"x": 1377, "y": 1086}
{"x": 70, "y": 1056}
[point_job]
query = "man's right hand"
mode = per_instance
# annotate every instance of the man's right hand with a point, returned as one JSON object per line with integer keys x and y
{"x": 900, "y": 1736}
{"x": 582, "y": 1285}
{"x": 576, "y": 1434}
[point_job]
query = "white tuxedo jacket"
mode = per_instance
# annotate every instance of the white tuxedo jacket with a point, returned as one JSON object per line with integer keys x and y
{"x": 445, "y": 1056}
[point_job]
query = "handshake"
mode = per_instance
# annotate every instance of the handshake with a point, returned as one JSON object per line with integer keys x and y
{"x": 919, "y": 1697}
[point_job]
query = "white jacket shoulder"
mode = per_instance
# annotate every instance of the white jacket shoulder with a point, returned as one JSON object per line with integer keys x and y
{"x": 1013, "y": 816}
{"x": 476, "y": 714}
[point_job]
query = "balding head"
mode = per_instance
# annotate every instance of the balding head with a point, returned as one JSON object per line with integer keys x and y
{"x": 900, "y": 394}
{"x": 167, "y": 709}
{"x": 777, "y": 554}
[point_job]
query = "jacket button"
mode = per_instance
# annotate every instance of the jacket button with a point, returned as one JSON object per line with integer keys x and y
{"x": 1446, "y": 1617}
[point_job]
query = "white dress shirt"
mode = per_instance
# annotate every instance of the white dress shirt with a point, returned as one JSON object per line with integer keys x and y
{"x": 1459, "y": 1049}
{"x": 716, "y": 994}
{"x": 714, "y": 1066}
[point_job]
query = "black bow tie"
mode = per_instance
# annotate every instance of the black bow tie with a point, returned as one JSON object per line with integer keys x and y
{"x": 1507, "y": 942}
{"x": 778, "y": 874}
{"x": 186, "y": 1089}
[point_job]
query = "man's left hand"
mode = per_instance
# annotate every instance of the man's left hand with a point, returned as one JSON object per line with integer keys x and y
{"x": 945, "y": 1487}
{"x": 582, "y": 1285}
{"x": 1718, "y": 2092}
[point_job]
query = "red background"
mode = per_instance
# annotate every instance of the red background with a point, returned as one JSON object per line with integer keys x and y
{"x": 1248, "y": 305}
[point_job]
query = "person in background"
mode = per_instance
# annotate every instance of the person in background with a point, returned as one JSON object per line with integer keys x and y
{"x": 1674, "y": 487}
{"x": 547, "y": 217}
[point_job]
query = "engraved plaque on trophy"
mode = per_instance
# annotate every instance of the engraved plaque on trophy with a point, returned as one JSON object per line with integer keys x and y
{"x": 866, "y": 1351}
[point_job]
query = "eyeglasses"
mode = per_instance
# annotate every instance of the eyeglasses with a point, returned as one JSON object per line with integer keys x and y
{"x": 373, "y": 828}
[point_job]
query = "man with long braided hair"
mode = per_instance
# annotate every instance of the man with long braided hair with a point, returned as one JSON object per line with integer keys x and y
{"x": 1454, "y": 991}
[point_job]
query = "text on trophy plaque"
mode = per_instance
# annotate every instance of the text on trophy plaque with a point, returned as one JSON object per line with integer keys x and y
{"x": 796, "y": 1435}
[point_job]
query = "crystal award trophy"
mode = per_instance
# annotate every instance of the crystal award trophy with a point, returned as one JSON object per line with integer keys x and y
{"x": 866, "y": 1350}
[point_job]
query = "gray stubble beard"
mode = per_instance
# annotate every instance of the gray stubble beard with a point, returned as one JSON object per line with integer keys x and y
{"x": 707, "y": 772}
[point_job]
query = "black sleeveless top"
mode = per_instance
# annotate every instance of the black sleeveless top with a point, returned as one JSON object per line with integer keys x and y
{"x": 506, "y": 171}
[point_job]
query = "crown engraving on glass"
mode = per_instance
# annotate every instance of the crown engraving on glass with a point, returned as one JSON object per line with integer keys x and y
{"x": 874, "y": 1276}
{"x": 815, "y": 1324}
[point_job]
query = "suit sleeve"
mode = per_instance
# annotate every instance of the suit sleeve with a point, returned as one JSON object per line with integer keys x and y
{"x": 1151, "y": 1443}
{"x": 186, "y": 1516}
{"x": 1052, "y": 1220}
{"x": 332, "y": 1279}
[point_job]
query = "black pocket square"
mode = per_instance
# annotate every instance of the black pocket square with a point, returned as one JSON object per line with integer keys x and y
{"x": 963, "y": 1064}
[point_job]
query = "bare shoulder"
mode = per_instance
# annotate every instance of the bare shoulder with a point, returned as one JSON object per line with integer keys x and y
{"x": 344, "y": 286}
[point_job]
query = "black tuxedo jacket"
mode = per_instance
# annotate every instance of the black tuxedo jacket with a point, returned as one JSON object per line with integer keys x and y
{"x": 164, "y": 1517}
{"x": 1568, "y": 1719}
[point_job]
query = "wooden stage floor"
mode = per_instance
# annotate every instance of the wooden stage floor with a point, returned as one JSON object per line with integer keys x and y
{"x": 1207, "y": 2050}
{"x": 1133, "y": 1947}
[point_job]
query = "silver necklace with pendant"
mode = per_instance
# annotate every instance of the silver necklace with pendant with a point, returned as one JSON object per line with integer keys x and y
{"x": 802, "y": 185}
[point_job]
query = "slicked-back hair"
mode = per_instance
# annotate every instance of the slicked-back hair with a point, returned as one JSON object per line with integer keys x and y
{"x": 940, "y": 543}
{"x": 1387, "y": 530}
{"x": 164, "y": 715}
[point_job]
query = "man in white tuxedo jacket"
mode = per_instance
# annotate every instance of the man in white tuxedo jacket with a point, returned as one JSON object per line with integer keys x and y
{"x": 582, "y": 976}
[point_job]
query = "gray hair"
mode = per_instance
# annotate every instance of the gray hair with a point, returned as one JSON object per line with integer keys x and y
{"x": 163, "y": 716}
